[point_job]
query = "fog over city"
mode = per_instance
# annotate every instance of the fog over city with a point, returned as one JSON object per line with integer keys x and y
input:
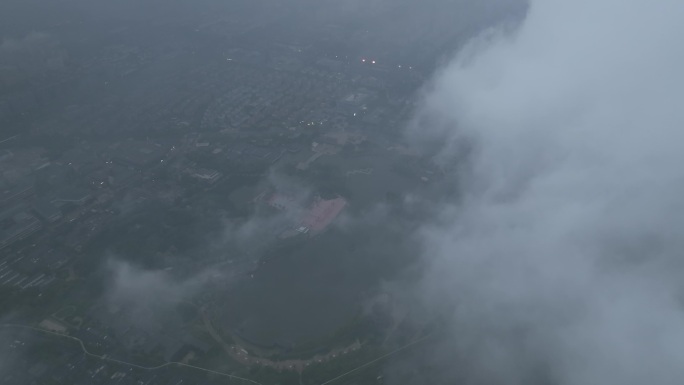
{"x": 302, "y": 192}
{"x": 563, "y": 260}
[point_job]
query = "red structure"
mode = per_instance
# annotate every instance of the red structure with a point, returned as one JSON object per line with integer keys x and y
{"x": 322, "y": 213}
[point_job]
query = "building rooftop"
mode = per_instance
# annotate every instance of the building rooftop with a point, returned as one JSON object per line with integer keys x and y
{"x": 322, "y": 213}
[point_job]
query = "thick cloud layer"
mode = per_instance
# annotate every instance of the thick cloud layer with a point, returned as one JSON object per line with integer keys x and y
{"x": 564, "y": 261}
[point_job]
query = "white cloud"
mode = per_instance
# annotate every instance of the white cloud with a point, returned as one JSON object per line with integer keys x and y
{"x": 566, "y": 251}
{"x": 147, "y": 295}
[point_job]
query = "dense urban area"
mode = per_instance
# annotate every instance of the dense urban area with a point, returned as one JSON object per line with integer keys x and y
{"x": 213, "y": 192}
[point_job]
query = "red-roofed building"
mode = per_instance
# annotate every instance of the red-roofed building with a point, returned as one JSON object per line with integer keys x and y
{"x": 322, "y": 213}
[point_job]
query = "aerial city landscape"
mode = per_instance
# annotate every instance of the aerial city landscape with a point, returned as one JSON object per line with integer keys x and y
{"x": 213, "y": 192}
{"x": 341, "y": 192}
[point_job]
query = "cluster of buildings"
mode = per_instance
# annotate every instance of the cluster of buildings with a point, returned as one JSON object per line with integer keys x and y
{"x": 269, "y": 100}
{"x": 179, "y": 134}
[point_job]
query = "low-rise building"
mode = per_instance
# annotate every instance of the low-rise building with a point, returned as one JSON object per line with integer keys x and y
{"x": 13, "y": 193}
{"x": 47, "y": 211}
{"x": 16, "y": 223}
{"x": 206, "y": 175}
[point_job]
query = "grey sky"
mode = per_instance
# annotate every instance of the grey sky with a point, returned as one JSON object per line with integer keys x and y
{"x": 564, "y": 260}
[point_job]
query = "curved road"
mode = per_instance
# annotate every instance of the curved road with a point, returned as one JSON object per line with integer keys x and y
{"x": 105, "y": 358}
